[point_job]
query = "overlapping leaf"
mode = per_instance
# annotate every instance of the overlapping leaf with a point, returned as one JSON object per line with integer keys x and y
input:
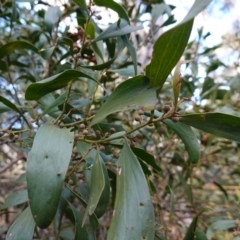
{"x": 131, "y": 93}
{"x": 222, "y": 125}
{"x": 133, "y": 216}
{"x": 41, "y": 88}
{"x": 23, "y": 227}
{"x": 170, "y": 46}
{"x": 46, "y": 168}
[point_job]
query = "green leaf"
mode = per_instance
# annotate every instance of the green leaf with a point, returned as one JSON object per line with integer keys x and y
{"x": 146, "y": 157}
{"x": 133, "y": 216}
{"x": 8, "y": 48}
{"x": 190, "y": 234}
{"x": 105, "y": 196}
{"x": 129, "y": 94}
{"x": 66, "y": 41}
{"x": 170, "y": 46}
{"x": 82, "y": 4}
{"x": 23, "y": 227}
{"x": 43, "y": 87}
{"x": 15, "y": 198}
{"x": 10, "y": 105}
{"x": 200, "y": 235}
{"x": 132, "y": 51}
{"x": 219, "y": 226}
{"x": 167, "y": 51}
{"x": 172, "y": 200}
{"x": 222, "y": 125}
{"x": 102, "y": 66}
{"x": 188, "y": 137}
{"x": 96, "y": 188}
{"x": 51, "y": 17}
{"x": 47, "y": 53}
{"x": 46, "y": 168}
{"x": 4, "y": 108}
{"x": 80, "y": 231}
{"x": 114, "y": 6}
{"x": 116, "y": 30}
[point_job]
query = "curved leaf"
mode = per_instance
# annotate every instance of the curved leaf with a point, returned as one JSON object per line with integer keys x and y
{"x": 46, "y": 168}
{"x": 188, "y": 137}
{"x": 133, "y": 92}
{"x": 8, "y": 48}
{"x": 116, "y": 30}
{"x": 167, "y": 51}
{"x": 133, "y": 216}
{"x": 15, "y": 198}
{"x": 115, "y": 7}
{"x": 80, "y": 231}
{"x": 222, "y": 125}
{"x": 43, "y": 87}
{"x": 23, "y": 227}
{"x": 97, "y": 186}
{"x": 170, "y": 46}
{"x": 10, "y": 105}
{"x": 51, "y": 17}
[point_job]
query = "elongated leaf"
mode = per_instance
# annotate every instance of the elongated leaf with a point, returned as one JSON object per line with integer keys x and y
{"x": 10, "y": 105}
{"x": 46, "y": 168}
{"x": 115, "y": 7}
{"x": 200, "y": 235}
{"x": 219, "y": 225}
{"x": 131, "y": 93}
{"x": 23, "y": 227}
{"x": 188, "y": 137}
{"x": 41, "y": 88}
{"x": 47, "y": 53}
{"x": 102, "y": 66}
{"x": 132, "y": 52}
{"x": 167, "y": 51}
{"x": 116, "y": 30}
{"x": 80, "y": 231}
{"x": 172, "y": 200}
{"x": 170, "y": 45}
{"x": 146, "y": 157}
{"x": 190, "y": 234}
{"x": 8, "y": 48}
{"x": 105, "y": 196}
{"x": 222, "y": 125}
{"x": 15, "y": 198}
{"x": 82, "y": 4}
{"x": 51, "y": 17}
{"x": 96, "y": 188}
{"x": 133, "y": 216}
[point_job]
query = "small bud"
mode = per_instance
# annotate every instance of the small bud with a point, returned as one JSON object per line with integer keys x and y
{"x": 137, "y": 118}
{"x": 99, "y": 17}
{"x": 166, "y": 108}
{"x": 82, "y": 126}
{"x": 16, "y": 137}
{"x": 71, "y": 59}
{"x": 98, "y": 132}
{"x": 139, "y": 136}
{"x": 237, "y": 222}
{"x": 175, "y": 119}
{"x": 102, "y": 148}
{"x": 75, "y": 50}
{"x": 76, "y": 135}
{"x": 112, "y": 130}
{"x": 140, "y": 112}
{"x": 70, "y": 182}
{"x": 70, "y": 168}
{"x": 85, "y": 132}
{"x": 150, "y": 124}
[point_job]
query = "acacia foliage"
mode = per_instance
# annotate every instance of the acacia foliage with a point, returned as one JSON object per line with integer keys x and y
{"x": 101, "y": 132}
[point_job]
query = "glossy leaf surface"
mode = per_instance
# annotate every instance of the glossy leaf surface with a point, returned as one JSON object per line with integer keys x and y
{"x": 46, "y": 168}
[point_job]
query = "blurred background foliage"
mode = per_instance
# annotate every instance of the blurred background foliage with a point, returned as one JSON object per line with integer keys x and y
{"x": 210, "y": 79}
